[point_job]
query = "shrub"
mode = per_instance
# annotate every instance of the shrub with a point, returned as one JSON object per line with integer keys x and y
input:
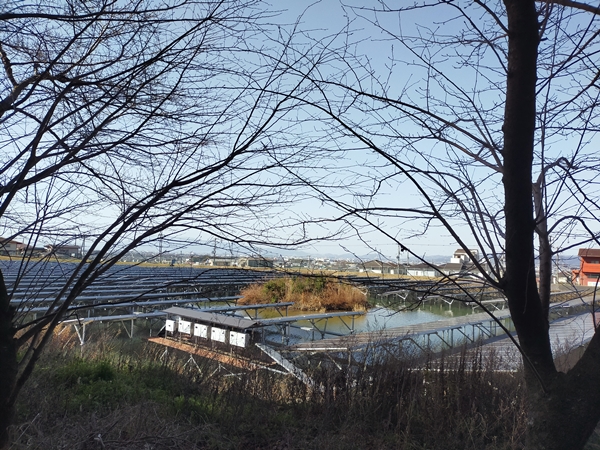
{"x": 80, "y": 371}
{"x": 318, "y": 293}
{"x": 275, "y": 290}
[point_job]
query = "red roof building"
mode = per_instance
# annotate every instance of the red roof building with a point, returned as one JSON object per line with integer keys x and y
{"x": 589, "y": 267}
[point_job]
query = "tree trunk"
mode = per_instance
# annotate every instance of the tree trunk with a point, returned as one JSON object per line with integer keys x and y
{"x": 519, "y": 282}
{"x": 563, "y": 408}
{"x": 566, "y": 416}
{"x": 8, "y": 363}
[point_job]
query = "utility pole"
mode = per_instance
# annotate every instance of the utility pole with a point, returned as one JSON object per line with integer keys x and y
{"x": 160, "y": 245}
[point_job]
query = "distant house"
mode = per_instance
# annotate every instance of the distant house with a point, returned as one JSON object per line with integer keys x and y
{"x": 589, "y": 267}
{"x": 461, "y": 256}
{"x": 256, "y": 262}
{"x": 466, "y": 263}
{"x": 70, "y": 251}
{"x": 24, "y": 249}
{"x": 472, "y": 269}
{"x": 295, "y": 262}
{"x": 222, "y": 261}
{"x": 343, "y": 266}
{"x": 9, "y": 247}
{"x": 561, "y": 275}
{"x": 451, "y": 268}
{"x": 381, "y": 267}
{"x": 423, "y": 270}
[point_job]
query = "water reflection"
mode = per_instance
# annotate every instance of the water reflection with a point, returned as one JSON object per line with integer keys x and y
{"x": 381, "y": 318}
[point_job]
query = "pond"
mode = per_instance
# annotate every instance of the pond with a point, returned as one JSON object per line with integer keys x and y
{"x": 376, "y": 319}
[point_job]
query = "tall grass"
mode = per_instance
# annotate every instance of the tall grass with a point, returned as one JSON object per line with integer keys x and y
{"x": 318, "y": 293}
{"x": 124, "y": 394}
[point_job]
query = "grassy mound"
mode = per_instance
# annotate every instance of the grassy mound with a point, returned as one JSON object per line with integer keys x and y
{"x": 317, "y": 293}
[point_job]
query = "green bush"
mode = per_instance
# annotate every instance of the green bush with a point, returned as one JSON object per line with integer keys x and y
{"x": 309, "y": 285}
{"x": 275, "y": 290}
{"x": 81, "y": 371}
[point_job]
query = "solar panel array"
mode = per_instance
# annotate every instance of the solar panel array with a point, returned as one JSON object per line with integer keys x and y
{"x": 41, "y": 287}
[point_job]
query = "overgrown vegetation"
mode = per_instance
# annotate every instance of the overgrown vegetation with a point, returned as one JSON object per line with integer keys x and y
{"x": 124, "y": 394}
{"x": 309, "y": 293}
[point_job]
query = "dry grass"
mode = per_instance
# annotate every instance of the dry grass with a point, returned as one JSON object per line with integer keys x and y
{"x": 252, "y": 295}
{"x": 318, "y": 293}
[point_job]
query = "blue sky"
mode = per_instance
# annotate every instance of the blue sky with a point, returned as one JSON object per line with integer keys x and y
{"x": 422, "y": 59}
{"x": 464, "y": 84}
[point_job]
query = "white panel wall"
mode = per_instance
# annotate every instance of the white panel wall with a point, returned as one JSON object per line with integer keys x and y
{"x": 185, "y": 326}
{"x": 218, "y": 334}
{"x": 238, "y": 339}
{"x": 170, "y": 325}
{"x": 201, "y": 330}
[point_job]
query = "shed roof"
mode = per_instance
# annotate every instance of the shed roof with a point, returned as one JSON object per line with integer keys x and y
{"x": 239, "y": 323}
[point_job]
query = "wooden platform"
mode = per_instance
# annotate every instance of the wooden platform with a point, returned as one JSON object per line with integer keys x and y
{"x": 227, "y": 359}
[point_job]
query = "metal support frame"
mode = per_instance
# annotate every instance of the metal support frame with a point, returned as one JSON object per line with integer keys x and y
{"x": 285, "y": 324}
{"x": 165, "y": 353}
{"x": 410, "y": 339}
{"x": 192, "y": 360}
{"x": 460, "y": 330}
{"x": 324, "y": 330}
{"x": 80, "y": 333}
{"x": 130, "y": 331}
{"x": 485, "y": 330}
{"x": 277, "y": 308}
{"x": 442, "y": 338}
{"x": 286, "y": 364}
{"x": 351, "y": 326}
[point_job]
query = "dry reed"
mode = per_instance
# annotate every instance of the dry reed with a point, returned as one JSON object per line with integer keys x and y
{"x": 308, "y": 294}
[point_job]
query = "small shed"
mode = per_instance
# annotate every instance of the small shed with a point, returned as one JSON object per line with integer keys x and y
{"x": 193, "y": 324}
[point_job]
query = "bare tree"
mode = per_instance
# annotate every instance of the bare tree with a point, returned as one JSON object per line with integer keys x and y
{"x": 483, "y": 119}
{"x": 126, "y": 121}
{"x": 123, "y": 123}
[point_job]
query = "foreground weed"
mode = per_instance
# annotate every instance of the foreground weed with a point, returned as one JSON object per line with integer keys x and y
{"x": 136, "y": 396}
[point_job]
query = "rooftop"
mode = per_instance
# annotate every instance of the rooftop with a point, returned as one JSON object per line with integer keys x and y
{"x": 589, "y": 252}
{"x": 239, "y": 323}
